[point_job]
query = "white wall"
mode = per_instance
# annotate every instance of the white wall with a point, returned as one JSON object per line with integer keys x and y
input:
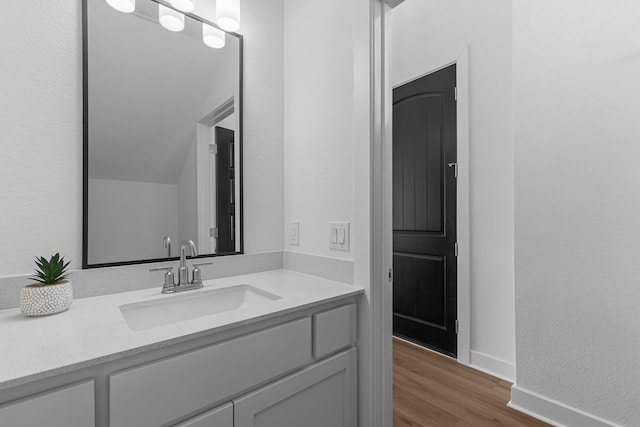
{"x": 41, "y": 130}
{"x": 40, "y": 133}
{"x": 263, "y": 115}
{"x": 577, "y": 224}
{"x": 318, "y": 100}
{"x": 427, "y": 34}
{"x": 134, "y": 227}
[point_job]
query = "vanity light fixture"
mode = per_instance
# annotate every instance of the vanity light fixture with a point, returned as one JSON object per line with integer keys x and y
{"x": 228, "y": 14}
{"x": 212, "y": 36}
{"x": 170, "y": 19}
{"x": 126, "y": 6}
{"x": 184, "y": 5}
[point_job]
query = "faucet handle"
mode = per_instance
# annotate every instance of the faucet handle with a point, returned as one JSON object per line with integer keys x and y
{"x": 161, "y": 268}
{"x": 197, "y": 276}
{"x": 202, "y": 263}
{"x": 168, "y": 277}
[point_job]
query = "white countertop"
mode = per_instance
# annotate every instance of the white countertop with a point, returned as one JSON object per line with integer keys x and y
{"x": 93, "y": 330}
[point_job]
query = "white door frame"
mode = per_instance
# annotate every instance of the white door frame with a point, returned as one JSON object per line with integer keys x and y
{"x": 461, "y": 61}
{"x": 205, "y": 171}
{"x": 381, "y": 215}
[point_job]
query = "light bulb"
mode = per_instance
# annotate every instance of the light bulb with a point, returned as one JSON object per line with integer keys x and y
{"x": 228, "y": 14}
{"x": 212, "y": 36}
{"x": 170, "y": 19}
{"x": 184, "y": 5}
{"x": 126, "y": 6}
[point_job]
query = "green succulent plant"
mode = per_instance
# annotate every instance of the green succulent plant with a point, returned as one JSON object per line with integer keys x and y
{"x": 50, "y": 272}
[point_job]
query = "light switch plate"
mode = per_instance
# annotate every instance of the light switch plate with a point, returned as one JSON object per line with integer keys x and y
{"x": 339, "y": 236}
{"x": 294, "y": 233}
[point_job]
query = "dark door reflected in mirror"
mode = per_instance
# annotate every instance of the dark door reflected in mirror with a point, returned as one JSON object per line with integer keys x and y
{"x": 162, "y": 137}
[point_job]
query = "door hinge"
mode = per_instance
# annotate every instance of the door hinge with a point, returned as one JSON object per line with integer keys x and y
{"x": 390, "y": 275}
{"x": 213, "y": 149}
{"x": 455, "y": 248}
{"x": 455, "y": 93}
{"x": 457, "y": 327}
{"x": 455, "y": 168}
{"x": 213, "y": 232}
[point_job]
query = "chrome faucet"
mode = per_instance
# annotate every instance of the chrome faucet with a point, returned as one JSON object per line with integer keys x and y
{"x": 183, "y": 270}
{"x": 183, "y": 284}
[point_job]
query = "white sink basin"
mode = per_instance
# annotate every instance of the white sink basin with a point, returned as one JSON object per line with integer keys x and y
{"x": 191, "y": 305}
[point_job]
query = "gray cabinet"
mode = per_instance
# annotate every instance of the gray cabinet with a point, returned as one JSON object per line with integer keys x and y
{"x": 157, "y": 393}
{"x": 321, "y": 395}
{"x": 63, "y": 407}
{"x": 334, "y": 330}
{"x": 294, "y": 371}
{"x": 221, "y": 416}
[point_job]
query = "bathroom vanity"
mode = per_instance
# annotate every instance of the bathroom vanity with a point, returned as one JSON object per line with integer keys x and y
{"x": 272, "y": 349}
{"x": 289, "y": 360}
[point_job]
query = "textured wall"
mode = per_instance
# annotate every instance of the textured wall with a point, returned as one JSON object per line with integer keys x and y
{"x": 428, "y": 34}
{"x": 41, "y": 130}
{"x": 40, "y": 133}
{"x": 318, "y": 99}
{"x": 152, "y": 207}
{"x": 263, "y": 150}
{"x": 577, "y": 224}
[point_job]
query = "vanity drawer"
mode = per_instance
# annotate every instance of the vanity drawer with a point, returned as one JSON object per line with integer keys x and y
{"x": 157, "y": 393}
{"x": 222, "y": 416}
{"x": 334, "y": 330}
{"x": 67, "y": 406}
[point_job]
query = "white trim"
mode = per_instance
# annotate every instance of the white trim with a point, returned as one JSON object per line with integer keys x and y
{"x": 372, "y": 254}
{"x": 553, "y": 412}
{"x": 463, "y": 217}
{"x": 462, "y": 202}
{"x": 386, "y": 226}
{"x": 492, "y": 366}
{"x": 219, "y": 114}
{"x": 393, "y": 3}
{"x": 381, "y": 218}
{"x": 366, "y": 134}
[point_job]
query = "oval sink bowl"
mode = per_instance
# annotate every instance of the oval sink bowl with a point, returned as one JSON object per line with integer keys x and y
{"x": 177, "y": 308}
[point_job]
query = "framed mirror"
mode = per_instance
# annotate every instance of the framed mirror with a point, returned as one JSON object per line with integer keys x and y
{"x": 162, "y": 135}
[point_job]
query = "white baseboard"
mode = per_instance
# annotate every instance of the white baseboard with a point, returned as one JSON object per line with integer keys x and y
{"x": 553, "y": 412}
{"x": 493, "y": 366}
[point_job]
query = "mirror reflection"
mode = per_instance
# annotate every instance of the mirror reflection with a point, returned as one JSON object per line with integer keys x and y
{"x": 162, "y": 136}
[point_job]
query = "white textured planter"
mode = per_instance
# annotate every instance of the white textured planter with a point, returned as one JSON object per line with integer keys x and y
{"x": 44, "y": 300}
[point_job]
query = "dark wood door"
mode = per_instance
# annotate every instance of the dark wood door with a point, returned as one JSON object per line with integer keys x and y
{"x": 424, "y": 211}
{"x": 225, "y": 190}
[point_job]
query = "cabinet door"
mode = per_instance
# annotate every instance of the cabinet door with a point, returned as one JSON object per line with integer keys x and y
{"x": 69, "y": 406}
{"x": 158, "y": 393}
{"x": 222, "y": 416}
{"x": 321, "y": 395}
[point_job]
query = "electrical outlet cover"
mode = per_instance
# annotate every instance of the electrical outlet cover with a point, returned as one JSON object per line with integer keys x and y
{"x": 294, "y": 233}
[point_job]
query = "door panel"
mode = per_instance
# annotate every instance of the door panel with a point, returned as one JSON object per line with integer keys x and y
{"x": 424, "y": 209}
{"x": 420, "y": 170}
{"x": 420, "y": 278}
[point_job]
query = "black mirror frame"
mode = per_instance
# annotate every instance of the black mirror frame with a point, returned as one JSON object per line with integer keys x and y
{"x": 85, "y": 149}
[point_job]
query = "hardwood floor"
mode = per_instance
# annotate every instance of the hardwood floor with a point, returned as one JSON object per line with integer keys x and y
{"x": 431, "y": 390}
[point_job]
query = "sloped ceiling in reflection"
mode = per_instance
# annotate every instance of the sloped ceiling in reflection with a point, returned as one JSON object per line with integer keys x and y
{"x": 147, "y": 89}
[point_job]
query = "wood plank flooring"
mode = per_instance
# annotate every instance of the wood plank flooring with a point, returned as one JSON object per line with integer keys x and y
{"x": 431, "y": 390}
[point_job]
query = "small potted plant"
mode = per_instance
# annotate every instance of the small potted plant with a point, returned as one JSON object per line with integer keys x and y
{"x": 52, "y": 292}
